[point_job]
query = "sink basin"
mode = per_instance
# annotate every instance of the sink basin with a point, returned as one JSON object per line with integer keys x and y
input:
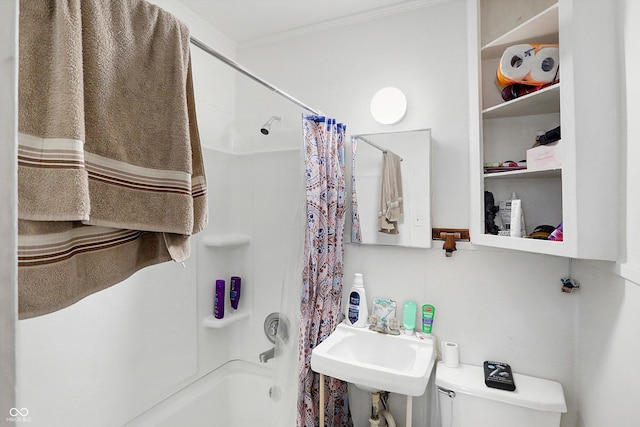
{"x": 374, "y": 361}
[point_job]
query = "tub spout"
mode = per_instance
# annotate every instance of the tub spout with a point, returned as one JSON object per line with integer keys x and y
{"x": 266, "y": 355}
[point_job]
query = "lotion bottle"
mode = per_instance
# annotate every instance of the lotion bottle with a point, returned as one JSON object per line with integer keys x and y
{"x": 356, "y": 310}
{"x": 428, "y": 312}
{"x": 409, "y": 316}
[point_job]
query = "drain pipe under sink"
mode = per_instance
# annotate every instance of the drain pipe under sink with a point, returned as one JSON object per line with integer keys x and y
{"x": 379, "y": 415}
{"x": 391, "y": 422}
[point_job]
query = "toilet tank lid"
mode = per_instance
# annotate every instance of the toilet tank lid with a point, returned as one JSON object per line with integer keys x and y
{"x": 531, "y": 392}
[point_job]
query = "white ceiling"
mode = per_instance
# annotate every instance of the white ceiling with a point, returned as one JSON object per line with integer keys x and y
{"x": 249, "y": 20}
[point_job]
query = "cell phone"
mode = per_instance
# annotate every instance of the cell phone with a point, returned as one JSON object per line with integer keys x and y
{"x": 498, "y": 375}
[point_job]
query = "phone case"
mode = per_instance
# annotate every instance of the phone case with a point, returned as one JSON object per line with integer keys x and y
{"x": 498, "y": 375}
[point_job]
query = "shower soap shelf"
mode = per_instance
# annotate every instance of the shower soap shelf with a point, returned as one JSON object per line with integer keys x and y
{"x": 212, "y": 322}
{"x": 226, "y": 240}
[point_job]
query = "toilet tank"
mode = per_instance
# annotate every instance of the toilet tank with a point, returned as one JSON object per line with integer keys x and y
{"x": 466, "y": 401}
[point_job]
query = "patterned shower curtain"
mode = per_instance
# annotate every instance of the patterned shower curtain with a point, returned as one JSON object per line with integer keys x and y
{"x": 320, "y": 307}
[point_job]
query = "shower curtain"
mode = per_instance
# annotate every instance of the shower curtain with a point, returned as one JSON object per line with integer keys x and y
{"x": 320, "y": 305}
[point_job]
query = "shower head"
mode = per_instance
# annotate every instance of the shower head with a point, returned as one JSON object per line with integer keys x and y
{"x": 266, "y": 128}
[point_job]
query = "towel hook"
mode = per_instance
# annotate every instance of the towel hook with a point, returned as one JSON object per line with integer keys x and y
{"x": 450, "y": 235}
{"x": 450, "y": 243}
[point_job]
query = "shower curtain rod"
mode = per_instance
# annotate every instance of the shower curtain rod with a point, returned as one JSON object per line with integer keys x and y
{"x": 373, "y": 144}
{"x": 230, "y": 62}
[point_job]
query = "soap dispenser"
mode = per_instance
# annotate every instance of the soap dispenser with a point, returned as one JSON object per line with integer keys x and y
{"x": 356, "y": 310}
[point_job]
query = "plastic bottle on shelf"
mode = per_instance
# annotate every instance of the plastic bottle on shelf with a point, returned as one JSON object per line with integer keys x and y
{"x": 234, "y": 292}
{"x": 218, "y": 299}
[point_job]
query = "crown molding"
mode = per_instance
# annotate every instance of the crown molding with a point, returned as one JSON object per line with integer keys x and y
{"x": 340, "y": 22}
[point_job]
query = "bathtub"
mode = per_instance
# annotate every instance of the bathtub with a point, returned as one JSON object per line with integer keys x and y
{"x": 237, "y": 394}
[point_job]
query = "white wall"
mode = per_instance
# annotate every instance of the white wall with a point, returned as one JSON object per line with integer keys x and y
{"x": 495, "y": 304}
{"x": 338, "y": 71}
{"x": 609, "y": 378}
{"x": 117, "y": 352}
{"x": 8, "y": 214}
{"x": 630, "y": 64}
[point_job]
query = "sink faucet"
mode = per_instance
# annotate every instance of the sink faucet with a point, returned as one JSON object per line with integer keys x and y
{"x": 266, "y": 355}
{"x": 380, "y": 326}
{"x": 391, "y": 327}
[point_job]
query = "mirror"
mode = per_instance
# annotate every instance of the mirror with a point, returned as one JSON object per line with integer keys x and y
{"x": 414, "y": 224}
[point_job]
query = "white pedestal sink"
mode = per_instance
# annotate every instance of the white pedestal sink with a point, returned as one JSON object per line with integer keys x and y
{"x": 374, "y": 361}
{"x": 379, "y": 362}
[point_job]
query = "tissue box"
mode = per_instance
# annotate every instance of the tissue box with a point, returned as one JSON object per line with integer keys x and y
{"x": 384, "y": 308}
{"x": 545, "y": 156}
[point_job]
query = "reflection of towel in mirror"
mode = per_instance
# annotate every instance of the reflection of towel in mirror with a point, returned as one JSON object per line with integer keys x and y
{"x": 391, "y": 194}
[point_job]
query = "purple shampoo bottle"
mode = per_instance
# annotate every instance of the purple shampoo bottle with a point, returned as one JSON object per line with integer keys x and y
{"x": 218, "y": 302}
{"x": 234, "y": 293}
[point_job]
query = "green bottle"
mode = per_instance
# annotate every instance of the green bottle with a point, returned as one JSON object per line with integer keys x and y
{"x": 409, "y": 317}
{"x": 428, "y": 311}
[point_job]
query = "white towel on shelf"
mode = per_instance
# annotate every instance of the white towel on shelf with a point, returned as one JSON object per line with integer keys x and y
{"x": 391, "y": 206}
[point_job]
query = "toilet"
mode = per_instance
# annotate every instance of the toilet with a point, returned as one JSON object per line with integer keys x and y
{"x": 465, "y": 400}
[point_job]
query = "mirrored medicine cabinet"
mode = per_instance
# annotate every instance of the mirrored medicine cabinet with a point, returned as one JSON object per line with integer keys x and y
{"x": 414, "y": 225}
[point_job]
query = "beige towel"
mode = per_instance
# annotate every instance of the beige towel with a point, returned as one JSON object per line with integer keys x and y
{"x": 391, "y": 206}
{"x": 111, "y": 177}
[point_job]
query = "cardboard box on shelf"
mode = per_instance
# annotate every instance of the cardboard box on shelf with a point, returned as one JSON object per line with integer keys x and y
{"x": 545, "y": 156}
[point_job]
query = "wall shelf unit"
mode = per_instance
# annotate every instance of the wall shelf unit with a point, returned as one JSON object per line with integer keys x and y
{"x": 226, "y": 240}
{"x": 519, "y": 174}
{"x": 583, "y": 193}
{"x": 229, "y": 319}
{"x": 230, "y": 250}
{"x": 544, "y": 101}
